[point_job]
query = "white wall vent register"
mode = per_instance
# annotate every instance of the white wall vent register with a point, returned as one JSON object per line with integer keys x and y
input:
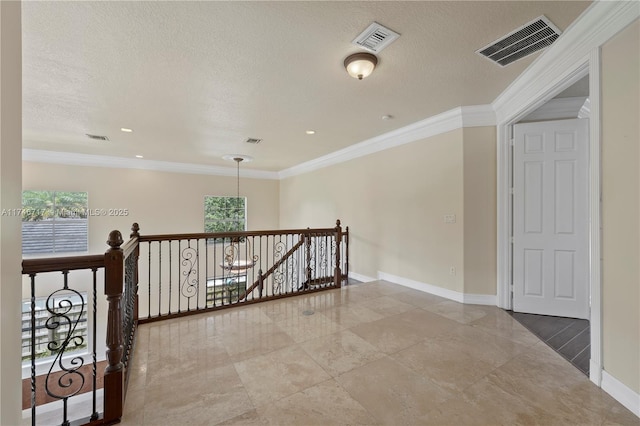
{"x": 375, "y": 38}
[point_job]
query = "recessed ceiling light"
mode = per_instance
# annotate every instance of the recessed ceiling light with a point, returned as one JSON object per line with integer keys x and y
{"x": 387, "y": 117}
{"x": 125, "y": 129}
{"x": 310, "y": 132}
{"x": 139, "y": 156}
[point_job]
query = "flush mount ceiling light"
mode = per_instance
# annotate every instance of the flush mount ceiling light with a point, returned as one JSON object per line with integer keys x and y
{"x": 360, "y": 65}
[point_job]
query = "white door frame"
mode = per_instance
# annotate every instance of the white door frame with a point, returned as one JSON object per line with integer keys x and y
{"x": 591, "y": 66}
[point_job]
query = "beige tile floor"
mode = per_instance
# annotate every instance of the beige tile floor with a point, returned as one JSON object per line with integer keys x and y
{"x": 373, "y": 353}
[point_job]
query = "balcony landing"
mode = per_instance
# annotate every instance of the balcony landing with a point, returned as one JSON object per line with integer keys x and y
{"x": 373, "y": 353}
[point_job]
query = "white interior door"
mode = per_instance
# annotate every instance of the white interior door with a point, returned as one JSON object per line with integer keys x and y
{"x": 551, "y": 218}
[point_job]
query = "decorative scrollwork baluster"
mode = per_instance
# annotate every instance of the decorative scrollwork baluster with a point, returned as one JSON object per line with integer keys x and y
{"x": 72, "y": 379}
{"x": 279, "y": 249}
{"x": 189, "y": 287}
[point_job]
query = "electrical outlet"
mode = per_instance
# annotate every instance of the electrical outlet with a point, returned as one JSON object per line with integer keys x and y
{"x": 452, "y": 270}
{"x": 449, "y": 218}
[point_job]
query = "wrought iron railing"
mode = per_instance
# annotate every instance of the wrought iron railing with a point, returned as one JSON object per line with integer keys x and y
{"x": 182, "y": 274}
{"x": 58, "y": 308}
{"x": 151, "y": 278}
{"x": 59, "y": 316}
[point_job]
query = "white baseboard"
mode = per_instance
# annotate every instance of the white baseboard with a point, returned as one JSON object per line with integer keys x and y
{"x": 471, "y": 299}
{"x": 360, "y": 277}
{"x": 417, "y": 285}
{"x": 480, "y": 299}
{"x": 621, "y": 393}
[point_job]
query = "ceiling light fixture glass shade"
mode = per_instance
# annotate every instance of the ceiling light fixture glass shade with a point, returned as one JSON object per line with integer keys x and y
{"x": 360, "y": 65}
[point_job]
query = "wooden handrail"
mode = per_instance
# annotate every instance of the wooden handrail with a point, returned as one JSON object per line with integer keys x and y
{"x": 59, "y": 264}
{"x": 232, "y": 235}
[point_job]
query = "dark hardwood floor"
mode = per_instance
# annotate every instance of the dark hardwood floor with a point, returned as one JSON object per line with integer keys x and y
{"x": 569, "y": 337}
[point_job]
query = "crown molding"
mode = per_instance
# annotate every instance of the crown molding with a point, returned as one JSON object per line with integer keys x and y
{"x": 76, "y": 159}
{"x": 466, "y": 116}
{"x": 477, "y": 116}
{"x": 601, "y": 21}
{"x": 456, "y": 118}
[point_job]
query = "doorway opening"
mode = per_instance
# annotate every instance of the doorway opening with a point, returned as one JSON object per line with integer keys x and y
{"x": 523, "y": 106}
{"x": 550, "y": 215}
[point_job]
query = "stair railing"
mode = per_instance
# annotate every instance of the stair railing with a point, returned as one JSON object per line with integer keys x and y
{"x": 62, "y": 325}
{"x": 183, "y": 274}
{"x": 151, "y": 278}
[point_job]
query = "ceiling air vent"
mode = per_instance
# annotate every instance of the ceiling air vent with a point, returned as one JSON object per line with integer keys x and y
{"x": 521, "y": 42}
{"x": 97, "y": 137}
{"x": 253, "y": 140}
{"x": 375, "y": 38}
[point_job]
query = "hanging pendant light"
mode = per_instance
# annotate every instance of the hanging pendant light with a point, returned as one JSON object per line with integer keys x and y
{"x": 237, "y": 158}
{"x": 238, "y": 256}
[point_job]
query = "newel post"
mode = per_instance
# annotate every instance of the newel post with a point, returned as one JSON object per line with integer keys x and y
{"x": 307, "y": 243}
{"x": 135, "y": 233}
{"x": 337, "y": 278}
{"x": 114, "y": 373}
{"x": 346, "y": 260}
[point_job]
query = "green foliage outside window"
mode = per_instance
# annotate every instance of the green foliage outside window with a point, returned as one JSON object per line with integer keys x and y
{"x": 54, "y": 222}
{"x": 41, "y": 205}
{"x": 224, "y": 214}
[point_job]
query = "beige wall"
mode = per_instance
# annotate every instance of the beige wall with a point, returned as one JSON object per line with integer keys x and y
{"x": 395, "y": 202}
{"x": 620, "y": 206}
{"x": 480, "y": 210}
{"x": 161, "y": 202}
{"x": 10, "y": 155}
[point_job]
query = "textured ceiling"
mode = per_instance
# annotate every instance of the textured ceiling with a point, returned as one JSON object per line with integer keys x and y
{"x": 195, "y": 79}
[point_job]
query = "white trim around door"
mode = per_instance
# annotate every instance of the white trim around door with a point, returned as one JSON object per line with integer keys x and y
{"x": 595, "y": 224}
{"x": 589, "y": 66}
